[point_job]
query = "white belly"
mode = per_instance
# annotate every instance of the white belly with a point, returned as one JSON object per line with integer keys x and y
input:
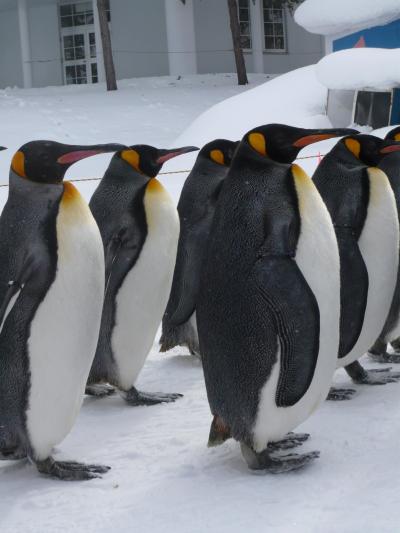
{"x": 143, "y": 296}
{"x": 317, "y": 256}
{"x": 379, "y": 246}
{"x": 65, "y": 328}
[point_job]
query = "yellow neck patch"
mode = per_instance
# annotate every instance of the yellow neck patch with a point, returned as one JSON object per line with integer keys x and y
{"x": 132, "y": 157}
{"x": 217, "y": 156}
{"x": 257, "y": 141}
{"x": 299, "y": 174}
{"x": 353, "y": 146}
{"x": 71, "y": 193}
{"x": 397, "y": 137}
{"x": 18, "y": 164}
{"x": 154, "y": 186}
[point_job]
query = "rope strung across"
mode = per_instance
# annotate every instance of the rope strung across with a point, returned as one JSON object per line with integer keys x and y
{"x": 320, "y": 156}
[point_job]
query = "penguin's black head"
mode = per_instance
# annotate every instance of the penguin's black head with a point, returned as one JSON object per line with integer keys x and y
{"x": 368, "y": 149}
{"x": 283, "y": 143}
{"x": 149, "y": 160}
{"x": 219, "y": 151}
{"x": 48, "y": 161}
{"x": 394, "y": 134}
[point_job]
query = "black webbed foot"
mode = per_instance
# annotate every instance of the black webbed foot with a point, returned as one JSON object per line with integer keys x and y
{"x": 339, "y": 395}
{"x": 134, "y": 397}
{"x": 275, "y": 464}
{"x": 385, "y": 357}
{"x": 99, "y": 390}
{"x": 70, "y": 470}
{"x": 291, "y": 440}
{"x": 377, "y": 376}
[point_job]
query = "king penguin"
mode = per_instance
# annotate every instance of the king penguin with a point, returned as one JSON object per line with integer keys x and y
{"x": 139, "y": 225}
{"x": 362, "y": 205}
{"x": 51, "y": 295}
{"x": 390, "y": 164}
{"x": 269, "y": 300}
{"x": 196, "y": 208}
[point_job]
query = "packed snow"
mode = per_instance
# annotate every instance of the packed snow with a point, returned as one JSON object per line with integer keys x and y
{"x": 351, "y": 69}
{"x": 330, "y": 17}
{"x": 163, "y": 476}
{"x": 296, "y": 98}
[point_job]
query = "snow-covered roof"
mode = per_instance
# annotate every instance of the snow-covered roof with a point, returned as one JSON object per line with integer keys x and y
{"x": 330, "y": 17}
{"x": 357, "y": 68}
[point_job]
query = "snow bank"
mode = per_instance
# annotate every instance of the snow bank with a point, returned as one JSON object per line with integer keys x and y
{"x": 351, "y": 69}
{"x": 296, "y": 98}
{"x": 329, "y": 17}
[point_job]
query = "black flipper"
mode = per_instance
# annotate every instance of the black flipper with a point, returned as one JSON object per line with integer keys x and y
{"x": 296, "y": 314}
{"x": 185, "y": 285}
{"x": 354, "y": 290}
{"x": 16, "y": 285}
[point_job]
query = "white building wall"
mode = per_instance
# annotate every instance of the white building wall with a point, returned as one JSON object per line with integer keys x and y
{"x": 214, "y": 39}
{"x": 139, "y": 38}
{"x": 45, "y": 45}
{"x": 10, "y": 50}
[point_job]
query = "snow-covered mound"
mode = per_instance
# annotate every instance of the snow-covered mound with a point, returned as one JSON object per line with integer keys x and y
{"x": 351, "y": 69}
{"x": 296, "y": 98}
{"x": 329, "y": 17}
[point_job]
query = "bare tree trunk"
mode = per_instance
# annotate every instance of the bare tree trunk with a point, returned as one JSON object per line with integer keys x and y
{"x": 235, "y": 29}
{"x": 107, "y": 51}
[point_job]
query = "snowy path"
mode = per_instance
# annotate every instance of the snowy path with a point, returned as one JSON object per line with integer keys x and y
{"x": 164, "y": 478}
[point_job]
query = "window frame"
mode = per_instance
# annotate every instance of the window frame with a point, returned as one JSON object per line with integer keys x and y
{"x": 285, "y": 33}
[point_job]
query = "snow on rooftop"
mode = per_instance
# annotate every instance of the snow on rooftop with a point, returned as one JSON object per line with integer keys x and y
{"x": 330, "y": 17}
{"x": 351, "y": 69}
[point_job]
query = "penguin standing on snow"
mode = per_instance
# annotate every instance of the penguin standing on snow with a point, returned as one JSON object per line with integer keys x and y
{"x": 196, "y": 210}
{"x": 269, "y": 300}
{"x": 139, "y": 226}
{"x": 363, "y": 210}
{"x": 51, "y": 295}
{"x": 391, "y": 331}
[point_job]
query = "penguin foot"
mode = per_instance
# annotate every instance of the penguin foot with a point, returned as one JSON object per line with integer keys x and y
{"x": 291, "y": 440}
{"x": 13, "y": 454}
{"x": 385, "y": 357}
{"x": 135, "y": 397}
{"x": 99, "y": 390}
{"x": 277, "y": 464}
{"x": 378, "y": 376}
{"x": 70, "y": 470}
{"x": 396, "y": 344}
{"x": 339, "y": 395}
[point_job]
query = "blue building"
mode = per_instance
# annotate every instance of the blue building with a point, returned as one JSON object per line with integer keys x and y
{"x": 359, "y": 24}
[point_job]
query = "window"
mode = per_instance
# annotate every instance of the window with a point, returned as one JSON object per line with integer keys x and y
{"x": 74, "y": 47}
{"x": 79, "y": 14}
{"x": 274, "y": 26}
{"x": 372, "y": 108}
{"x": 76, "y": 74}
{"x": 245, "y": 25}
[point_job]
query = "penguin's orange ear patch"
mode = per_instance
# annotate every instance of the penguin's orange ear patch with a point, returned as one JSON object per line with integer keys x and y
{"x": 257, "y": 141}
{"x": 353, "y": 146}
{"x": 397, "y": 137}
{"x": 18, "y": 164}
{"x": 132, "y": 157}
{"x": 217, "y": 156}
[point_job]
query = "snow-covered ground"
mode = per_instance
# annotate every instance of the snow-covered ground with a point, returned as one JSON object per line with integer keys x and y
{"x": 163, "y": 477}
